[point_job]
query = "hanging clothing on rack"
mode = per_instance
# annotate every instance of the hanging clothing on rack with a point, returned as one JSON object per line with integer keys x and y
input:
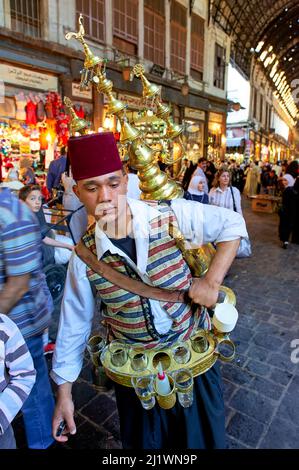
{"x": 31, "y": 117}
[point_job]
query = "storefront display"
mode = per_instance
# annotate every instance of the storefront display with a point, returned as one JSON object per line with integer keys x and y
{"x": 194, "y": 133}
{"x": 215, "y": 143}
{"x": 32, "y": 124}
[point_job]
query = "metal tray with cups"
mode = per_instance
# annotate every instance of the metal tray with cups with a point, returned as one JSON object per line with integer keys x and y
{"x": 198, "y": 354}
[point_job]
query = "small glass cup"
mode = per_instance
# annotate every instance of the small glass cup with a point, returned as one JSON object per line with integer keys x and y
{"x": 95, "y": 345}
{"x": 181, "y": 353}
{"x": 199, "y": 343}
{"x": 139, "y": 359}
{"x": 144, "y": 388}
{"x": 183, "y": 380}
{"x": 118, "y": 353}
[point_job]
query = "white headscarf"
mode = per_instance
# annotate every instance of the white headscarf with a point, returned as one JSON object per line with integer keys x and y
{"x": 193, "y": 186}
{"x": 290, "y": 180}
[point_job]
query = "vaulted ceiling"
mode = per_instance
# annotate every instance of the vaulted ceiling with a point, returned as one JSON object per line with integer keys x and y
{"x": 275, "y": 22}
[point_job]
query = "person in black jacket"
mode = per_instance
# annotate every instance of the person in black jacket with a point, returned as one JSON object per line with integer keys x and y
{"x": 295, "y": 234}
{"x": 288, "y": 210}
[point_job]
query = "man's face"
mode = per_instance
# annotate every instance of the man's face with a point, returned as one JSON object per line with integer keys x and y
{"x": 203, "y": 165}
{"x": 104, "y": 196}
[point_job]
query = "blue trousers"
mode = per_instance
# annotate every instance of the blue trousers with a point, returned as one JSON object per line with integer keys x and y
{"x": 7, "y": 440}
{"x": 39, "y": 406}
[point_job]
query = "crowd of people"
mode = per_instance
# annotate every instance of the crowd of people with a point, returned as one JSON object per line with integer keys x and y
{"x": 223, "y": 186}
{"x": 99, "y": 189}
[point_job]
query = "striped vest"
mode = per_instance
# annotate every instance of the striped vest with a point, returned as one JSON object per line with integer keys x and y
{"x": 129, "y": 316}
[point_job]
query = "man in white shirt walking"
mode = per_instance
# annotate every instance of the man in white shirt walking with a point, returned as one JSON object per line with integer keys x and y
{"x": 132, "y": 237}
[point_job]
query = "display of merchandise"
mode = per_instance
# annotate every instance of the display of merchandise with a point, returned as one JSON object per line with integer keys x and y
{"x": 21, "y": 103}
{"x": 34, "y": 141}
{"x": 31, "y": 116}
{"x": 40, "y": 112}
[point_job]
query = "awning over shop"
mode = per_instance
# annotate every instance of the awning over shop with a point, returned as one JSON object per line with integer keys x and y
{"x": 235, "y": 142}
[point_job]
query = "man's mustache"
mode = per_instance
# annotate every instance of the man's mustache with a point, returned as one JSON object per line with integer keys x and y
{"x": 103, "y": 207}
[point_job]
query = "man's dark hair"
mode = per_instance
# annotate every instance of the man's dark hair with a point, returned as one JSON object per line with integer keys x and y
{"x": 201, "y": 160}
{"x": 63, "y": 151}
{"x": 26, "y": 190}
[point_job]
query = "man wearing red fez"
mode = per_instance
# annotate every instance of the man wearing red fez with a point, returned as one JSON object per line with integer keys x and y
{"x": 132, "y": 237}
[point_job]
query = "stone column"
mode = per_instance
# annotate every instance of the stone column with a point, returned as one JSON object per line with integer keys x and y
{"x": 140, "y": 51}
{"x": 188, "y": 46}
{"x": 109, "y": 24}
{"x": 98, "y": 110}
{"x": 66, "y": 20}
{"x": 50, "y": 20}
{"x": 66, "y": 85}
{"x": 167, "y": 34}
{"x": 5, "y": 14}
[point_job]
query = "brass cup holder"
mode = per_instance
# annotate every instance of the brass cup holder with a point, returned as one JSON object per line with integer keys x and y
{"x": 199, "y": 343}
{"x": 138, "y": 359}
{"x": 95, "y": 345}
{"x": 223, "y": 344}
{"x": 118, "y": 351}
{"x": 181, "y": 353}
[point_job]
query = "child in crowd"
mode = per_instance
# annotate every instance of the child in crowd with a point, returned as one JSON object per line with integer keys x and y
{"x": 17, "y": 377}
{"x": 32, "y": 196}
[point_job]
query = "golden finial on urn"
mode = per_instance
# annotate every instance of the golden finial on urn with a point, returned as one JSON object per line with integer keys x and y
{"x": 76, "y": 124}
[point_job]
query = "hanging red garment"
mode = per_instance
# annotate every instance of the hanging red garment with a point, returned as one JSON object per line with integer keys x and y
{"x": 80, "y": 112}
{"x": 49, "y": 109}
{"x": 31, "y": 117}
{"x": 41, "y": 111}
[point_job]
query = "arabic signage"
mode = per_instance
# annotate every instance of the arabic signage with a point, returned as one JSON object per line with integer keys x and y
{"x": 28, "y": 78}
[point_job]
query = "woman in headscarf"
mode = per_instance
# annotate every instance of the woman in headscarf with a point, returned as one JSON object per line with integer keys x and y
{"x": 196, "y": 190}
{"x": 287, "y": 212}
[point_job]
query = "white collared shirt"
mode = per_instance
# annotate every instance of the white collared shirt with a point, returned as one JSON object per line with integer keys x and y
{"x": 199, "y": 223}
{"x": 220, "y": 198}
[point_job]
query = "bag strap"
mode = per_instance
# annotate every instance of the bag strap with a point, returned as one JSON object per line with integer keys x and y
{"x": 234, "y": 202}
{"x": 125, "y": 282}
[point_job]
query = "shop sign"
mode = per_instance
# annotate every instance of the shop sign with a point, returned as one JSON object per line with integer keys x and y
{"x": 196, "y": 114}
{"x": 85, "y": 94}
{"x": 133, "y": 102}
{"x": 28, "y": 78}
{"x": 215, "y": 117}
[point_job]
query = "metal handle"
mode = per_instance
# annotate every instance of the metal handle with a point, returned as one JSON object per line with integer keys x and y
{"x": 221, "y": 356}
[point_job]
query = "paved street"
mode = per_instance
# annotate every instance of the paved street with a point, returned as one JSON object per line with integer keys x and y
{"x": 261, "y": 386}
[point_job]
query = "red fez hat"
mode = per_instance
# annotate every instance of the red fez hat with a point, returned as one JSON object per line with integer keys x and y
{"x": 93, "y": 155}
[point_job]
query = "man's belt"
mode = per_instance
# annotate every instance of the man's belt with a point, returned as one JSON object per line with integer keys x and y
{"x": 124, "y": 282}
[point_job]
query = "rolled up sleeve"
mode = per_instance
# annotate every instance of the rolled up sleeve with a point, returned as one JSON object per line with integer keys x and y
{"x": 75, "y": 324}
{"x": 203, "y": 223}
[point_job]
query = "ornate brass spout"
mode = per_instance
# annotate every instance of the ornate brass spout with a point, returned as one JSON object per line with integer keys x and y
{"x": 128, "y": 133}
{"x": 154, "y": 183}
{"x": 105, "y": 86}
{"x": 90, "y": 59}
{"x": 76, "y": 124}
{"x": 149, "y": 89}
